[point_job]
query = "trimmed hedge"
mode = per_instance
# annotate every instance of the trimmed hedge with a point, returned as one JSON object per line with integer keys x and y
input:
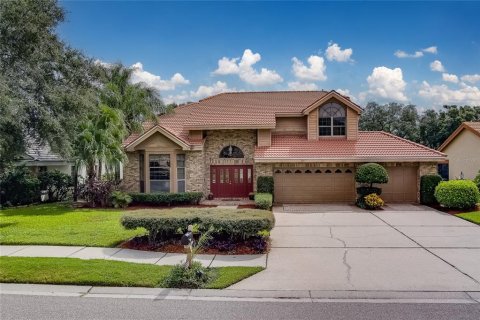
{"x": 428, "y": 183}
{"x": 265, "y": 184}
{"x": 371, "y": 173}
{"x": 165, "y": 224}
{"x": 263, "y": 201}
{"x": 165, "y": 198}
{"x": 365, "y": 191}
{"x": 457, "y": 194}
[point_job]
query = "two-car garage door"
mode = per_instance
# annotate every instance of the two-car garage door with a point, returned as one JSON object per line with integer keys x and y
{"x": 314, "y": 185}
{"x": 337, "y": 184}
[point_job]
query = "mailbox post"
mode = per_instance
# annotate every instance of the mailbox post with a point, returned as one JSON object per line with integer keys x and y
{"x": 187, "y": 242}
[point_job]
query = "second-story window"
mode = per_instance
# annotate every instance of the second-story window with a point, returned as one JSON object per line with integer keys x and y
{"x": 331, "y": 120}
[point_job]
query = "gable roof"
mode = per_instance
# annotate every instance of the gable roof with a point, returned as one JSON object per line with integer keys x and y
{"x": 41, "y": 153}
{"x": 370, "y": 146}
{"x": 473, "y": 127}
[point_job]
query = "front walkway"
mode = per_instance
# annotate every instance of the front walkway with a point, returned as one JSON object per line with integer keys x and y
{"x": 340, "y": 247}
{"x": 135, "y": 256}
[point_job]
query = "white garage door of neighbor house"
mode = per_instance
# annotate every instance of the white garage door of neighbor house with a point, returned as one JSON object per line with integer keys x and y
{"x": 314, "y": 185}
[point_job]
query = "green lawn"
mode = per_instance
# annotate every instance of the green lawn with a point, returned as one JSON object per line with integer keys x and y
{"x": 59, "y": 224}
{"x": 102, "y": 272}
{"x": 471, "y": 216}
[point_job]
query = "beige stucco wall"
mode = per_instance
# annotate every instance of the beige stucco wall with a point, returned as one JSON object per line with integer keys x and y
{"x": 463, "y": 155}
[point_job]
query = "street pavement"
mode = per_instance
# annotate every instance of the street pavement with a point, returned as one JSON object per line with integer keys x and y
{"x": 340, "y": 247}
{"x": 17, "y": 307}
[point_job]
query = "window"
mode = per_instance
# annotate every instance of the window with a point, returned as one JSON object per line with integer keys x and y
{"x": 308, "y": 171}
{"x": 159, "y": 172}
{"x": 278, "y": 171}
{"x": 180, "y": 173}
{"x": 231, "y": 152}
{"x": 298, "y": 171}
{"x": 331, "y": 120}
{"x": 338, "y": 171}
{"x": 318, "y": 171}
{"x": 442, "y": 169}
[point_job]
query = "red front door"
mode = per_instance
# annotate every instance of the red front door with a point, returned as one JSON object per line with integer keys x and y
{"x": 231, "y": 181}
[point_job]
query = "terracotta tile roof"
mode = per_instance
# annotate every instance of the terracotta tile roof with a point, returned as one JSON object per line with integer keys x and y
{"x": 250, "y": 109}
{"x": 375, "y": 145}
{"x": 171, "y": 122}
{"x": 472, "y": 126}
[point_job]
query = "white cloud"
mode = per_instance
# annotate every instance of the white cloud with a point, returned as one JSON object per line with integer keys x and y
{"x": 302, "y": 86}
{"x": 437, "y": 66}
{"x": 140, "y": 75}
{"x": 472, "y": 78}
{"x": 334, "y": 52}
{"x": 442, "y": 94}
{"x": 201, "y": 92}
{"x": 431, "y": 49}
{"x": 315, "y": 72}
{"x": 244, "y": 68}
{"x": 417, "y": 54}
{"x": 205, "y": 91}
{"x": 449, "y": 77}
{"x": 403, "y": 54}
{"x": 344, "y": 92}
{"x": 386, "y": 83}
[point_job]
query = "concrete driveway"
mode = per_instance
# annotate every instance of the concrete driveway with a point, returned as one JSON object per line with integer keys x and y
{"x": 340, "y": 247}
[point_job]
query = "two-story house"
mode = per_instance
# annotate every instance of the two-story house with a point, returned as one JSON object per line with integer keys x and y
{"x": 308, "y": 141}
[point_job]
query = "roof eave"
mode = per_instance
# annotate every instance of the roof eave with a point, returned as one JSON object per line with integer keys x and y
{"x": 355, "y": 159}
{"x": 328, "y": 96}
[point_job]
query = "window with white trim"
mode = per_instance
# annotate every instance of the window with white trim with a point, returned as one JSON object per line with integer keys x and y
{"x": 180, "y": 173}
{"x": 159, "y": 165}
{"x": 331, "y": 120}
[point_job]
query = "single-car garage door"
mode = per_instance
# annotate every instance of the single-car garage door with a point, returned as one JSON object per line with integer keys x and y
{"x": 401, "y": 186}
{"x": 314, "y": 185}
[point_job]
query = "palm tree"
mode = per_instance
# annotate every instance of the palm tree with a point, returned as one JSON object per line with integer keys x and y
{"x": 100, "y": 141}
{"x": 138, "y": 102}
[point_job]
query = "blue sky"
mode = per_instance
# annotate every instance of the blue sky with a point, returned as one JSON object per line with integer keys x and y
{"x": 423, "y": 53}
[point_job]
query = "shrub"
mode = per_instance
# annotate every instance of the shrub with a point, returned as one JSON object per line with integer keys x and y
{"x": 165, "y": 198}
{"x": 265, "y": 184}
{"x": 188, "y": 278}
{"x": 19, "y": 186}
{"x": 457, "y": 194}
{"x": 57, "y": 184}
{"x": 164, "y": 224}
{"x": 263, "y": 201}
{"x": 477, "y": 180}
{"x": 120, "y": 199}
{"x": 370, "y": 173}
{"x": 373, "y": 201}
{"x": 364, "y": 191}
{"x": 427, "y": 188}
{"x": 97, "y": 192}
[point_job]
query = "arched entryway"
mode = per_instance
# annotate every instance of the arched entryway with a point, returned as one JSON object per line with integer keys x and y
{"x": 231, "y": 180}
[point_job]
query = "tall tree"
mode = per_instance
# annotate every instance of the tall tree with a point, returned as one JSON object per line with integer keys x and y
{"x": 99, "y": 141}
{"x": 45, "y": 86}
{"x": 138, "y": 102}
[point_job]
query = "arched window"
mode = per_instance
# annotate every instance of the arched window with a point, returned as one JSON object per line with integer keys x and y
{"x": 308, "y": 171}
{"x": 298, "y": 171}
{"x": 328, "y": 171}
{"x": 348, "y": 171}
{"x": 318, "y": 171}
{"x": 331, "y": 120}
{"x": 278, "y": 171}
{"x": 338, "y": 171}
{"x": 288, "y": 171}
{"x": 231, "y": 152}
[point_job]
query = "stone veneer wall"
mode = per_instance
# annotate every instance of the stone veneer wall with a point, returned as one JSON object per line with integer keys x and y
{"x": 218, "y": 139}
{"x": 131, "y": 178}
{"x": 194, "y": 175}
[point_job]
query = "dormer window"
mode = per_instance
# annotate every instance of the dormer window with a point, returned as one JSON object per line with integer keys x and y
{"x": 331, "y": 120}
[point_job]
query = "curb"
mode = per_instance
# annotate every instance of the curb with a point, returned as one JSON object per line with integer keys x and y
{"x": 305, "y": 296}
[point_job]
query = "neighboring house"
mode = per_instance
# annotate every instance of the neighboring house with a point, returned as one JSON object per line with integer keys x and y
{"x": 463, "y": 152}
{"x": 308, "y": 141}
{"x": 41, "y": 158}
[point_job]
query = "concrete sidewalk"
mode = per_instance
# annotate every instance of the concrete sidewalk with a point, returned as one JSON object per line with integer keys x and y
{"x": 135, "y": 256}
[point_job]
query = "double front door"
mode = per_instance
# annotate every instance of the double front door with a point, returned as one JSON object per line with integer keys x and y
{"x": 231, "y": 181}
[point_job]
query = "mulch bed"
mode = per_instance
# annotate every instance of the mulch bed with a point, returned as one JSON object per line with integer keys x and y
{"x": 450, "y": 211}
{"x": 174, "y": 246}
{"x": 246, "y": 206}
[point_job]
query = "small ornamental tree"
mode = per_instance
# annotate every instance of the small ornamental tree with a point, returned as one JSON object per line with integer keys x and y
{"x": 370, "y": 173}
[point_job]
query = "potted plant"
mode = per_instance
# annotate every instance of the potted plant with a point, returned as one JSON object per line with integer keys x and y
{"x": 210, "y": 196}
{"x": 251, "y": 196}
